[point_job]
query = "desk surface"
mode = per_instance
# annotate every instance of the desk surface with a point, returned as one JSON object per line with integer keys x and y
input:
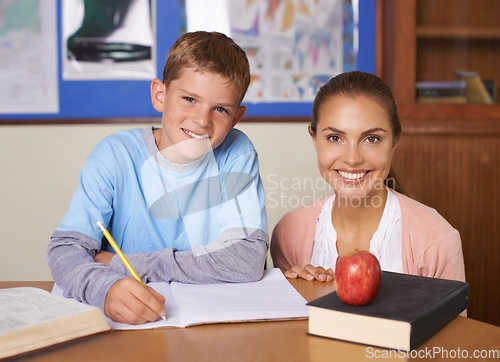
{"x": 260, "y": 341}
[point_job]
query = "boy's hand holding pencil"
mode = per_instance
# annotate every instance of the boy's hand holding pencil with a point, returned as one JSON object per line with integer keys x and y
{"x": 129, "y": 300}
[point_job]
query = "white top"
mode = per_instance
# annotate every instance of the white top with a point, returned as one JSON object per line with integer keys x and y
{"x": 385, "y": 243}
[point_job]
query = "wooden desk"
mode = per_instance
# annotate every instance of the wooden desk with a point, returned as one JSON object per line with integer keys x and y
{"x": 260, "y": 341}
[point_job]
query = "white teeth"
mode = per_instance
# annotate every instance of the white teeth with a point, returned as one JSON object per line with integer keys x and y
{"x": 194, "y": 135}
{"x": 352, "y": 176}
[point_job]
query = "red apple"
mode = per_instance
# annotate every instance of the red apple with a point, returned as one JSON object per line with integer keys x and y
{"x": 358, "y": 277}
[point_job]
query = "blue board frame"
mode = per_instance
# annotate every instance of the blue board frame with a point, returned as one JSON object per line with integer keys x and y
{"x": 103, "y": 101}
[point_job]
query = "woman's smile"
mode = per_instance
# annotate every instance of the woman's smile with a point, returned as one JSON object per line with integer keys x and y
{"x": 354, "y": 145}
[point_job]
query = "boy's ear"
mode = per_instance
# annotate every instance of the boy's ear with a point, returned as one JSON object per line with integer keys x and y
{"x": 240, "y": 112}
{"x": 157, "y": 94}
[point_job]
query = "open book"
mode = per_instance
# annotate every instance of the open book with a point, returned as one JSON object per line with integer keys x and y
{"x": 270, "y": 298}
{"x": 32, "y": 318}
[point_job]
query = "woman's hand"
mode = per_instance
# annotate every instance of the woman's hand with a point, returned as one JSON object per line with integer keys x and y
{"x": 310, "y": 272}
{"x": 128, "y": 301}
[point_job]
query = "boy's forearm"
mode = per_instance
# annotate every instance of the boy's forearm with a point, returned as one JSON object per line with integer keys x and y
{"x": 232, "y": 260}
{"x": 70, "y": 257}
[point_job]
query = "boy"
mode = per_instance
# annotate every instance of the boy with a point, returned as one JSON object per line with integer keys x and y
{"x": 184, "y": 202}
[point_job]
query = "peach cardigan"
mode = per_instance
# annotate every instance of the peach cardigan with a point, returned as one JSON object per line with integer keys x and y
{"x": 430, "y": 245}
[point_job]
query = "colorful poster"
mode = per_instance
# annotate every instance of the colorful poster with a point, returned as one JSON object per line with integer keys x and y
{"x": 293, "y": 46}
{"x": 28, "y": 57}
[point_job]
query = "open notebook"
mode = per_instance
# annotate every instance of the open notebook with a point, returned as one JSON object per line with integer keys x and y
{"x": 271, "y": 298}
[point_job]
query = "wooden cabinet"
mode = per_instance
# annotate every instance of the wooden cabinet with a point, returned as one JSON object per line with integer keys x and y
{"x": 449, "y": 154}
{"x": 430, "y": 40}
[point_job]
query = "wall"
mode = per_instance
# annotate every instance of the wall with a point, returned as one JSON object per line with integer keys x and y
{"x": 41, "y": 165}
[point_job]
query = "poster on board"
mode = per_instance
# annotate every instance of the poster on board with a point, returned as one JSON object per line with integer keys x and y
{"x": 28, "y": 57}
{"x": 108, "y": 39}
{"x": 293, "y": 46}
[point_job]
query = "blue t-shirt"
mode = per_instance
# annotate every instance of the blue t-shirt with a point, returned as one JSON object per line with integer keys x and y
{"x": 149, "y": 203}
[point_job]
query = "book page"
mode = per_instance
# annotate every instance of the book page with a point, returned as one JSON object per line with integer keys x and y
{"x": 272, "y": 297}
{"x": 26, "y": 306}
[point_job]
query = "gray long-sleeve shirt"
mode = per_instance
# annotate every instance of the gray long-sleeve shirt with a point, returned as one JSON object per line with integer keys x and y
{"x": 197, "y": 223}
{"x": 70, "y": 255}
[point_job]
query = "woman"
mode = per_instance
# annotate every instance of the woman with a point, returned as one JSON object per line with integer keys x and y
{"x": 355, "y": 130}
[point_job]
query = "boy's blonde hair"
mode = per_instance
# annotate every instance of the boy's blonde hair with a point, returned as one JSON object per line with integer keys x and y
{"x": 208, "y": 52}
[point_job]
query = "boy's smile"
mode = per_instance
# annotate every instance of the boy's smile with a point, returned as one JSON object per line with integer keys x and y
{"x": 199, "y": 109}
{"x": 194, "y": 135}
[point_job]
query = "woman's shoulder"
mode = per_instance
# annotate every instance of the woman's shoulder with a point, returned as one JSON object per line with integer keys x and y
{"x": 293, "y": 236}
{"x": 300, "y": 223}
{"x": 304, "y": 214}
{"x": 422, "y": 216}
{"x": 431, "y": 247}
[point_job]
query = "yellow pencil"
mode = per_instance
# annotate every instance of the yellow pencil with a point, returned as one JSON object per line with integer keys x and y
{"x": 120, "y": 254}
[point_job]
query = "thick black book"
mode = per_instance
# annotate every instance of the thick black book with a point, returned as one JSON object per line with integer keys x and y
{"x": 408, "y": 310}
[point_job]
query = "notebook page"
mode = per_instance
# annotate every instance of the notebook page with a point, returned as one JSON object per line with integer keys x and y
{"x": 171, "y": 314}
{"x": 273, "y": 297}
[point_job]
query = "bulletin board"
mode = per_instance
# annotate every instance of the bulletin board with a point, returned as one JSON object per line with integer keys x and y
{"x": 128, "y": 100}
